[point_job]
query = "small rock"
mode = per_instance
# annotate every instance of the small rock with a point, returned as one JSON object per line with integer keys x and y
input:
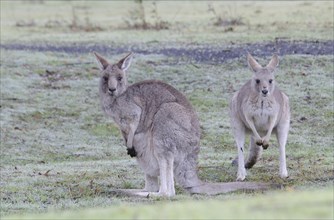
{"x": 301, "y": 119}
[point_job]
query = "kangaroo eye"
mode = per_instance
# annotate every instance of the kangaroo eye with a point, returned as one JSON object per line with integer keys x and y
{"x": 270, "y": 81}
{"x": 119, "y": 78}
{"x": 105, "y": 78}
{"x": 257, "y": 81}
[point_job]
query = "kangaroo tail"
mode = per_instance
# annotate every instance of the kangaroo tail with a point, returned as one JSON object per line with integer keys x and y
{"x": 219, "y": 188}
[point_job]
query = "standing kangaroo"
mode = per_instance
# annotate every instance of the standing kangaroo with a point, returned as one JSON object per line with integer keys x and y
{"x": 160, "y": 129}
{"x": 260, "y": 108}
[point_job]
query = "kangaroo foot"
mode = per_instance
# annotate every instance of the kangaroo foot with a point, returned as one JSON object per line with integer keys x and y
{"x": 131, "y": 192}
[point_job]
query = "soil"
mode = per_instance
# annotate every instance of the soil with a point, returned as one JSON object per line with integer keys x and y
{"x": 198, "y": 53}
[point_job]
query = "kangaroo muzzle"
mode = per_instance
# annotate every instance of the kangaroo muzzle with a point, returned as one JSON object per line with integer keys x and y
{"x": 111, "y": 91}
{"x": 264, "y": 91}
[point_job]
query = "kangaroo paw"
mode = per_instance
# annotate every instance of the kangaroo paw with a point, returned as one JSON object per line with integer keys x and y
{"x": 265, "y": 144}
{"x": 259, "y": 142}
{"x": 132, "y": 152}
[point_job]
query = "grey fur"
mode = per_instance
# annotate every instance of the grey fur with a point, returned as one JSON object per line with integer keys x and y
{"x": 160, "y": 124}
{"x": 260, "y": 108}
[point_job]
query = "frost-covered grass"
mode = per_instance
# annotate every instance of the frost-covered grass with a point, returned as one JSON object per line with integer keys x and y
{"x": 58, "y": 151}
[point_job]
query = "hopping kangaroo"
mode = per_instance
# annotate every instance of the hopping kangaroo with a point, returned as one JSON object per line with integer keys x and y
{"x": 160, "y": 129}
{"x": 260, "y": 108}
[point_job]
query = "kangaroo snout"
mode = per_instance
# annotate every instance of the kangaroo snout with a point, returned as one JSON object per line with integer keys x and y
{"x": 111, "y": 91}
{"x": 264, "y": 91}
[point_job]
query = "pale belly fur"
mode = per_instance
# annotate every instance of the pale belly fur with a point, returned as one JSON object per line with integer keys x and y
{"x": 261, "y": 119}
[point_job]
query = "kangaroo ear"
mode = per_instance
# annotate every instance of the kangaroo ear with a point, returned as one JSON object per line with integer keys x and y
{"x": 103, "y": 63}
{"x": 255, "y": 66}
{"x": 273, "y": 62}
{"x": 125, "y": 63}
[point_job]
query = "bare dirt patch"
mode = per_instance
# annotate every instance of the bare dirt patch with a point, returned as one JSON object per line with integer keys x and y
{"x": 198, "y": 53}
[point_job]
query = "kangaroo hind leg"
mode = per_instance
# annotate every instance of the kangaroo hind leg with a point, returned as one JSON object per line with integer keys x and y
{"x": 239, "y": 134}
{"x": 255, "y": 153}
{"x": 166, "y": 170}
{"x": 151, "y": 183}
{"x": 282, "y": 137}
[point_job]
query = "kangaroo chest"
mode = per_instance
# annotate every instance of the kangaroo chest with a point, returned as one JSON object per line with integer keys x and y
{"x": 124, "y": 121}
{"x": 124, "y": 115}
{"x": 261, "y": 111}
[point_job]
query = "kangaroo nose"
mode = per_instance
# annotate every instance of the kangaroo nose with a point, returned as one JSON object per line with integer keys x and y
{"x": 264, "y": 91}
{"x": 112, "y": 90}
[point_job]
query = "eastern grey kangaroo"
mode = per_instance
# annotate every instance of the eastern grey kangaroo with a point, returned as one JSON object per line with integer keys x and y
{"x": 161, "y": 129}
{"x": 260, "y": 108}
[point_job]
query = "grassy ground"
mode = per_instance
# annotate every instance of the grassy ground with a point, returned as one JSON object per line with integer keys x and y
{"x": 315, "y": 204}
{"x": 59, "y": 152}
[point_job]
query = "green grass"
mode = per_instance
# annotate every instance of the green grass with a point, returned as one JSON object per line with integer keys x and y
{"x": 316, "y": 204}
{"x": 59, "y": 152}
{"x": 55, "y": 144}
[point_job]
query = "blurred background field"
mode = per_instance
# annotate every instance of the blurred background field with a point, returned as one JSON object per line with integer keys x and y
{"x": 165, "y": 21}
{"x": 59, "y": 152}
{"x": 301, "y": 205}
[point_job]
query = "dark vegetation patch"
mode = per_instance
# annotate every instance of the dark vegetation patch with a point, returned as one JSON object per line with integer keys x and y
{"x": 137, "y": 18}
{"x": 197, "y": 53}
{"x": 80, "y": 22}
{"x": 224, "y": 21}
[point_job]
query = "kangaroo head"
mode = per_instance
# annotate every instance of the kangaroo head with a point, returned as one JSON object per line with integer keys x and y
{"x": 113, "y": 80}
{"x": 263, "y": 81}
